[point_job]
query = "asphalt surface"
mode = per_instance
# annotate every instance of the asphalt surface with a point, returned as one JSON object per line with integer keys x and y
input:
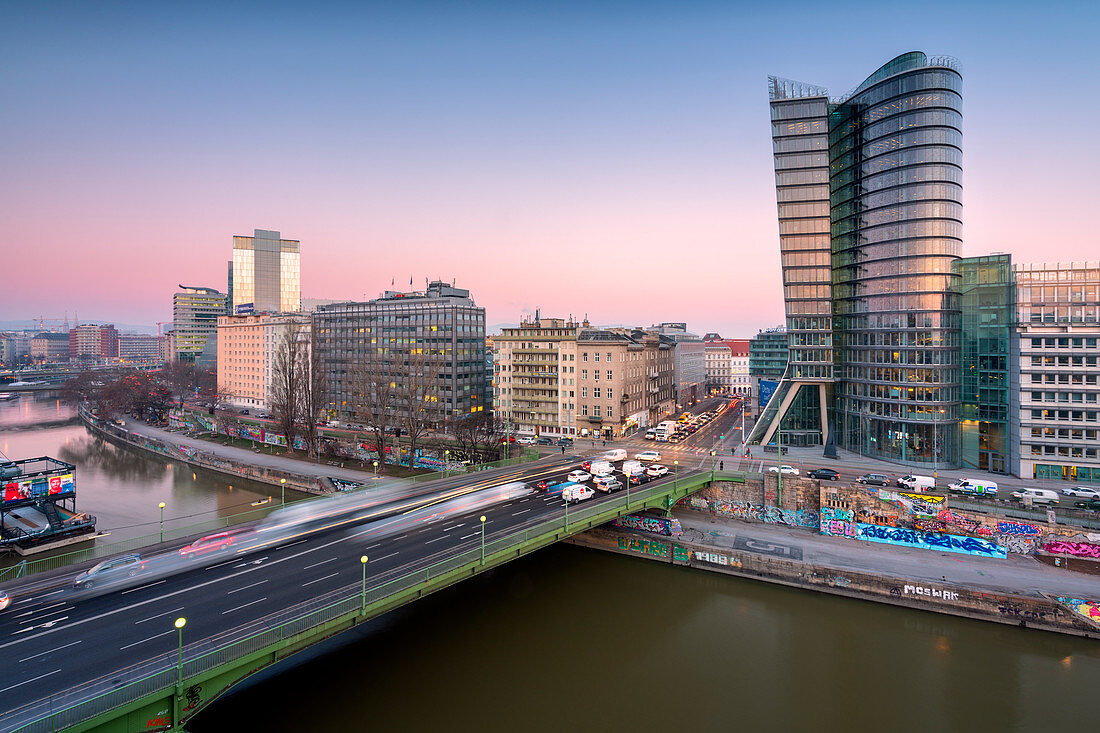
{"x": 55, "y": 637}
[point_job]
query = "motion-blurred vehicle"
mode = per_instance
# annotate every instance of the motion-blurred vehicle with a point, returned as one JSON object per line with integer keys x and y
{"x": 973, "y": 486}
{"x": 214, "y": 542}
{"x": 1035, "y": 496}
{"x": 1093, "y": 504}
{"x": 649, "y": 455}
{"x": 544, "y": 441}
{"x": 1083, "y": 492}
{"x": 116, "y": 568}
{"x": 5, "y": 599}
{"x": 785, "y": 470}
{"x": 567, "y": 442}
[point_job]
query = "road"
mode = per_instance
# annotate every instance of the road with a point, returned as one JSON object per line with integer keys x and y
{"x": 53, "y": 638}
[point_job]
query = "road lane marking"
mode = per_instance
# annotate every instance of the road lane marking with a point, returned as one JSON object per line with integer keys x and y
{"x": 331, "y": 559}
{"x": 437, "y": 539}
{"x": 40, "y": 610}
{"x": 378, "y": 559}
{"x": 32, "y": 679}
{"x": 45, "y": 616}
{"x": 238, "y": 608}
{"x": 155, "y": 636}
{"x": 238, "y": 590}
{"x": 159, "y": 615}
{"x": 466, "y": 537}
{"x": 371, "y": 547}
{"x": 522, "y": 511}
{"x": 143, "y": 587}
{"x": 42, "y": 654}
{"x": 318, "y": 580}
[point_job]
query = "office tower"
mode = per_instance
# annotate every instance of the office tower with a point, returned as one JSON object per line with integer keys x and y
{"x": 266, "y": 274}
{"x": 195, "y": 314}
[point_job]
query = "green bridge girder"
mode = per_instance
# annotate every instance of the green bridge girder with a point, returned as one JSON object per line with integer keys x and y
{"x": 167, "y": 699}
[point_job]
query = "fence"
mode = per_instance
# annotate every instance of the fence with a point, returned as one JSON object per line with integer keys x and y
{"x": 298, "y": 624}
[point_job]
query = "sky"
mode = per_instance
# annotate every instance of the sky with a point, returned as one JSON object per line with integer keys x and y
{"x": 608, "y": 159}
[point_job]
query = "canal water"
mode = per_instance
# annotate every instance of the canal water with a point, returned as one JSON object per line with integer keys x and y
{"x": 575, "y": 639}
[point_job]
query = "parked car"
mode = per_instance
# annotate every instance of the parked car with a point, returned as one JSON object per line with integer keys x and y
{"x": 213, "y": 542}
{"x": 578, "y": 477}
{"x": 1036, "y": 496}
{"x": 567, "y": 442}
{"x": 783, "y": 469}
{"x": 973, "y": 486}
{"x": 826, "y": 474}
{"x": 656, "y": 470}
{"x": 649, "y": 455}
{"x": 526, "y": 440}
{"x": 1082, "y": 491}
{"x": 578, "y": 492}
{"x": 1093, "y": 504}
{"x": 544, "y": 441}
{"x": 109, "y": 570}
{"x": 873, "y": 479}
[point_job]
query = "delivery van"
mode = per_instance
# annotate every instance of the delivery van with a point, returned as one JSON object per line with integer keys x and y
{"x": 601, "y": 468}
{"x": 975, "y": 487}
{"x": 632, "y": 467}
{"x": 918, "y": 484}
{"x": 618, "y": 454}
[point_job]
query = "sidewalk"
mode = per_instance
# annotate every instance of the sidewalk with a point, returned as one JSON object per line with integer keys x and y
{"x": 1017, "y": 574}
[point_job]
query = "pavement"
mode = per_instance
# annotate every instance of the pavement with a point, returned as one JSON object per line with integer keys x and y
{"x": 1018, "y": 574}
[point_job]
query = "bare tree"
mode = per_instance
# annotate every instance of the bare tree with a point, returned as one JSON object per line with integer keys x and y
{"x": 419, "y": 397}
{"x": 286, "y": 378}
{"x": 313, "y": 396}
{"x": 375, "y": 392}
{"x": 490, "y": 435}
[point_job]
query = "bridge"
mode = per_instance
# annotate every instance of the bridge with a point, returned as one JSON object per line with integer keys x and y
{"x": 118, "y": 661}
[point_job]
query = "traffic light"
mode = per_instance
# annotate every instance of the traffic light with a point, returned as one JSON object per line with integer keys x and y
{"x": 721, "y": 437}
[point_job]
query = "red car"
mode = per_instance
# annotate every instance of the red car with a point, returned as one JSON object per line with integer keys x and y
{"x": 213, "y": 542}
{"x": 541, "y": 485}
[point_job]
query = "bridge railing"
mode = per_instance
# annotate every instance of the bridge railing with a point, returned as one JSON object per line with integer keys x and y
{"x": 159, "y": 674}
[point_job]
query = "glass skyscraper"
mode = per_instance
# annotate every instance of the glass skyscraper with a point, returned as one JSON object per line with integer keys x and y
{"x": 266, "y": 274}
{"x": 868, "y": 188}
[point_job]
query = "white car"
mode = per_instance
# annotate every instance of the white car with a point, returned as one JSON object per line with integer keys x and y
{"x": 649, "y": 455}
{"x": 580, "y": 492}
{"x": 785, "y": 470}
{"x": 1083, "y": 491}
{"x": 578, "y": 477}
{"x": 656, "y": 470}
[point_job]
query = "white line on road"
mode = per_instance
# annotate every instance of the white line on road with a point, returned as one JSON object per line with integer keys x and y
{"x": 32, "y": 679}
{"x": 437, "y": 539}
{"x": 400, "y": 537}
{"x": 318, "y": 580}
{"x": 44, "y": 616}
{"x": 522, "y": 511}
{"x": 238, "y": 590}
{"x": 41, "y": 654}
{"x": 238, "y": 608}
{"x": 377, "y": 559}
{"x": 159, "y": 615}
{"x": 468, "y": 536}
{"x": 331, "y": 559}
{"x": 371, "y": 547}
{"x": 154, "y": 636}
{"x": 211, "y": 567}
{"x": 40, "y": 610}
{"x": 143, "y": 587}
{"x": 292, "y": 544}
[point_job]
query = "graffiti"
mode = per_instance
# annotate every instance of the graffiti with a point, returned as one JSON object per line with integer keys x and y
{"x": 193, "y": 696}
{"x": 188, "y": 451}
{"x": 916, "y": 590}
{"x": 929, "y": 525}
{"x": 1016, "y": 543}
{"x": 886, "y": 520}
{"x": 923, "y": 498}
{"x": 1075, "y": 549}
{"x": 1024, "y": 614}
{"x": 966, "y": 524}
{"x": 669, "y": 526}
{"x": 680, "y": 554}
{"x": 159, "y": 722}
{"x": 840, "y": 515}
{"x": 1017, "y": 528}
{"x": 837, "y": 522}
{"x": 1087, "y": 609}
{"x": 929, "y": 540}
{"x": 768, "y": 514}
{"x": 698, "y": 502}
{"x": 344, "y": 484}
{"x": 840, "y": 581}
{"x": 643, "y": 547}
{"x": 252, "y": 432}
{"x": 716, "y": 559}
{"x": 895, "y": 591}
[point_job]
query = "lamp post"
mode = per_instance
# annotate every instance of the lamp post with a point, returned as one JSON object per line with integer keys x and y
{"x": 675, "y": 468}
{"x": 180, "y": 623}
{"x": 161, "y": 521}
{"x": 779, "y": 476}
{"x": 482, "y": 539}
{"x": 363, "y": 602}
{"x": 376, "y": 469}
{"x": 282, "y": 489}
{"x": 566, "y": 511}
{"x": 446, "y": 462}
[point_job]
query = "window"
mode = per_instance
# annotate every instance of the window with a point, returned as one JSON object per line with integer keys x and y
{"x": 596, "y": 392}
{"x": 584, "y": 356}
{"x": 584, "y": 410}
{"x": 609, "y": 396}
{"x": 596, "y": 374}
{"x": 609, "y": 374}
{"x": 584, "y": 391}
{"x": 596, "y": 356}
{"x": 584, "y": 374}
{"x": 609, "y": 411}
{"x": 609, "y": 357}
{"x": 595, "y": 410}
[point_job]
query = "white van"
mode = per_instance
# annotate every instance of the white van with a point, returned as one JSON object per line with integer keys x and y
{"x": 618, "y": 454}
{"x": 1037, "y": 496}
{"x": 632, "y": 467}
{"x": 918, "y": 484}
{"x": 976, "y": 487}
{"x": 601, "y": 468}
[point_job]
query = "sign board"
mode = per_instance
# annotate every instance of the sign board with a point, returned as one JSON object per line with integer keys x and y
{"x": 767, "y": 389}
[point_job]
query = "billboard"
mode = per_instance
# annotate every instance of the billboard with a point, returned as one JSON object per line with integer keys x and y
{"x": 767, "y": 389}
{"x": 244, "y": 309}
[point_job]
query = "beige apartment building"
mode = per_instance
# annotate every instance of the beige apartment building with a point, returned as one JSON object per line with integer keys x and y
{"x": 246, "y": 353}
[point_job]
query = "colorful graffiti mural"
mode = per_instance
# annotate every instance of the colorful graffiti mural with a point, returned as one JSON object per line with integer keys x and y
{"x": 715, "y": 558}
{"x": 1089, "y": 610}
{"x": 668, "y": 526}
{"x": 1018, "y": 528}
{"x": 929, "y": 541}
{"x": 761, "y": 513}
{"x": 837, "y": 522}
{"x": 1073, "y": 549}
{"x": 918, "y": 590}
{"x": 644, "y": 547}
{"x": 965, "y": 524}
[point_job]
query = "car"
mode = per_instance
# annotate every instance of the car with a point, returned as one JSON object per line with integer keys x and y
{"x": 608, "y": 484}
{"x": 786, "y": 470}
{"x": 526, "y": 440}
{"x": 578, "y": 477}
{"x": 586, "y": 465}
{"x": 213, "y": 543}
{"x": 656, "y": 471}
{"x": 826, "y": 474}
{"x": 112, "y": 569}
{"x": 509, "y": 439}
{"x": 649, "y": 455}
{"x": 541, "y": 485}
{"x": 638, "y": 478}
{"x": 1093, "y": 504}
{"x": 576, "y": 493}
{"x": 1083, "y": 492}
{"x": 544, "y": 441}
{"x": 567, "y": 442}
{"x": 975, "y": 487}
{"x": 5, "y": 599}
{"x": 873, "y": 479}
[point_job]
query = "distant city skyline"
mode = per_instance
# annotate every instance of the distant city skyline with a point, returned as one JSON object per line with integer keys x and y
{"x": 610, "y": 160}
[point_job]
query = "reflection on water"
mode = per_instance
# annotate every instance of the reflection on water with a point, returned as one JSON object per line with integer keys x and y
{"x": 90, "y": 452}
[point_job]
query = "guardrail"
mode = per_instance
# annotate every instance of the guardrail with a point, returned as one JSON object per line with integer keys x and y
{"x": 298, "y": 624}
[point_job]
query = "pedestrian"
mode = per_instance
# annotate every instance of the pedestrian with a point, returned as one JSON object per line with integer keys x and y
{"x": 605, "y": 444}
{"x": 563, "y": 450}
{"x": 721, "y": 465}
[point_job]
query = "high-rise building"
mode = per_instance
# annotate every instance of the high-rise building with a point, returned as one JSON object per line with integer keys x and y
{"x": 195, "y": 314}
{"x": 441, "y": 325}
{"x": 767, "y": 364}
{"x": 266, "y": 274}
{"x": 89, "y": 341}
{"x": 868, "y": 189}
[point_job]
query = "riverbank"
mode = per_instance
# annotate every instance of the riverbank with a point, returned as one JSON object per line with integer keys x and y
{"x": 992, "y": 590}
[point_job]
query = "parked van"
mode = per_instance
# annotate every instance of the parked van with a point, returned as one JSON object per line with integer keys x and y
{"x": 973, "y": 486}
{"x": 617, "y": 454}
{"x": 632, "y": 467}
{"x": 1037, "y": 496}
{"x": 601, "y": 468}
{"x": 918, "y": 484}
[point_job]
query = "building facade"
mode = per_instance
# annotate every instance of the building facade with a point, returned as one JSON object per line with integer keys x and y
{"x": 690, "y": 362}
{"x": 142, "y": 347}
{"x": 441, "y": 324}
{"x": 727, "y": 365}
{"x": 195, "y": 314}
{"x": 767, "y": 364}
{"x": 869, "y": 200}
{"x": 1058, "y": 331}
{"x": 247, "y": 348}
{"x": 266, "y": 274}
{"x": 92, "y": 342}
{"x": 50, "y": 346}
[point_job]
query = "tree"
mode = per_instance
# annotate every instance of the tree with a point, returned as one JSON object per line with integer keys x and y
{"x": 286, "y": 380}
{"x": 419, "y": 398}
{"x": 312, "y": 396}
{"x": 375, "y": 394}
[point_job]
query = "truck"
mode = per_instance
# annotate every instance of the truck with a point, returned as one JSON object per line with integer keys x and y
{"x": 664, "y": 430}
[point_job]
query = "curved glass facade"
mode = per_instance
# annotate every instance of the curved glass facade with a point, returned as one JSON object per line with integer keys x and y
{"x": 895, "y": 177}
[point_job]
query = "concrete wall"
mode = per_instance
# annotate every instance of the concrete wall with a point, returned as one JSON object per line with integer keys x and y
{"x": 758, "y": 500}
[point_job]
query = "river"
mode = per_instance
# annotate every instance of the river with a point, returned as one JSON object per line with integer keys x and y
{"x": 573, "y": 639}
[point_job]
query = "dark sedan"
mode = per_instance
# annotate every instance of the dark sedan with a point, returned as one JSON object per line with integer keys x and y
{"x": 1093, "y": 504}
{"x": 826, "y": 474}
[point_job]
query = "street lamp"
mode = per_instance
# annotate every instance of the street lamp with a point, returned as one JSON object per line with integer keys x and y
{"x": 376, "y": 469}
{"x": 282, "y": 487}
{"x": 363, "y": 603}
{"x": 180, "y": 623}
{"x": 675, "y": 467}
{"x": 162, "y": 521}
{"x": 482, "y": 539}
{"x": 446, "y": 462}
